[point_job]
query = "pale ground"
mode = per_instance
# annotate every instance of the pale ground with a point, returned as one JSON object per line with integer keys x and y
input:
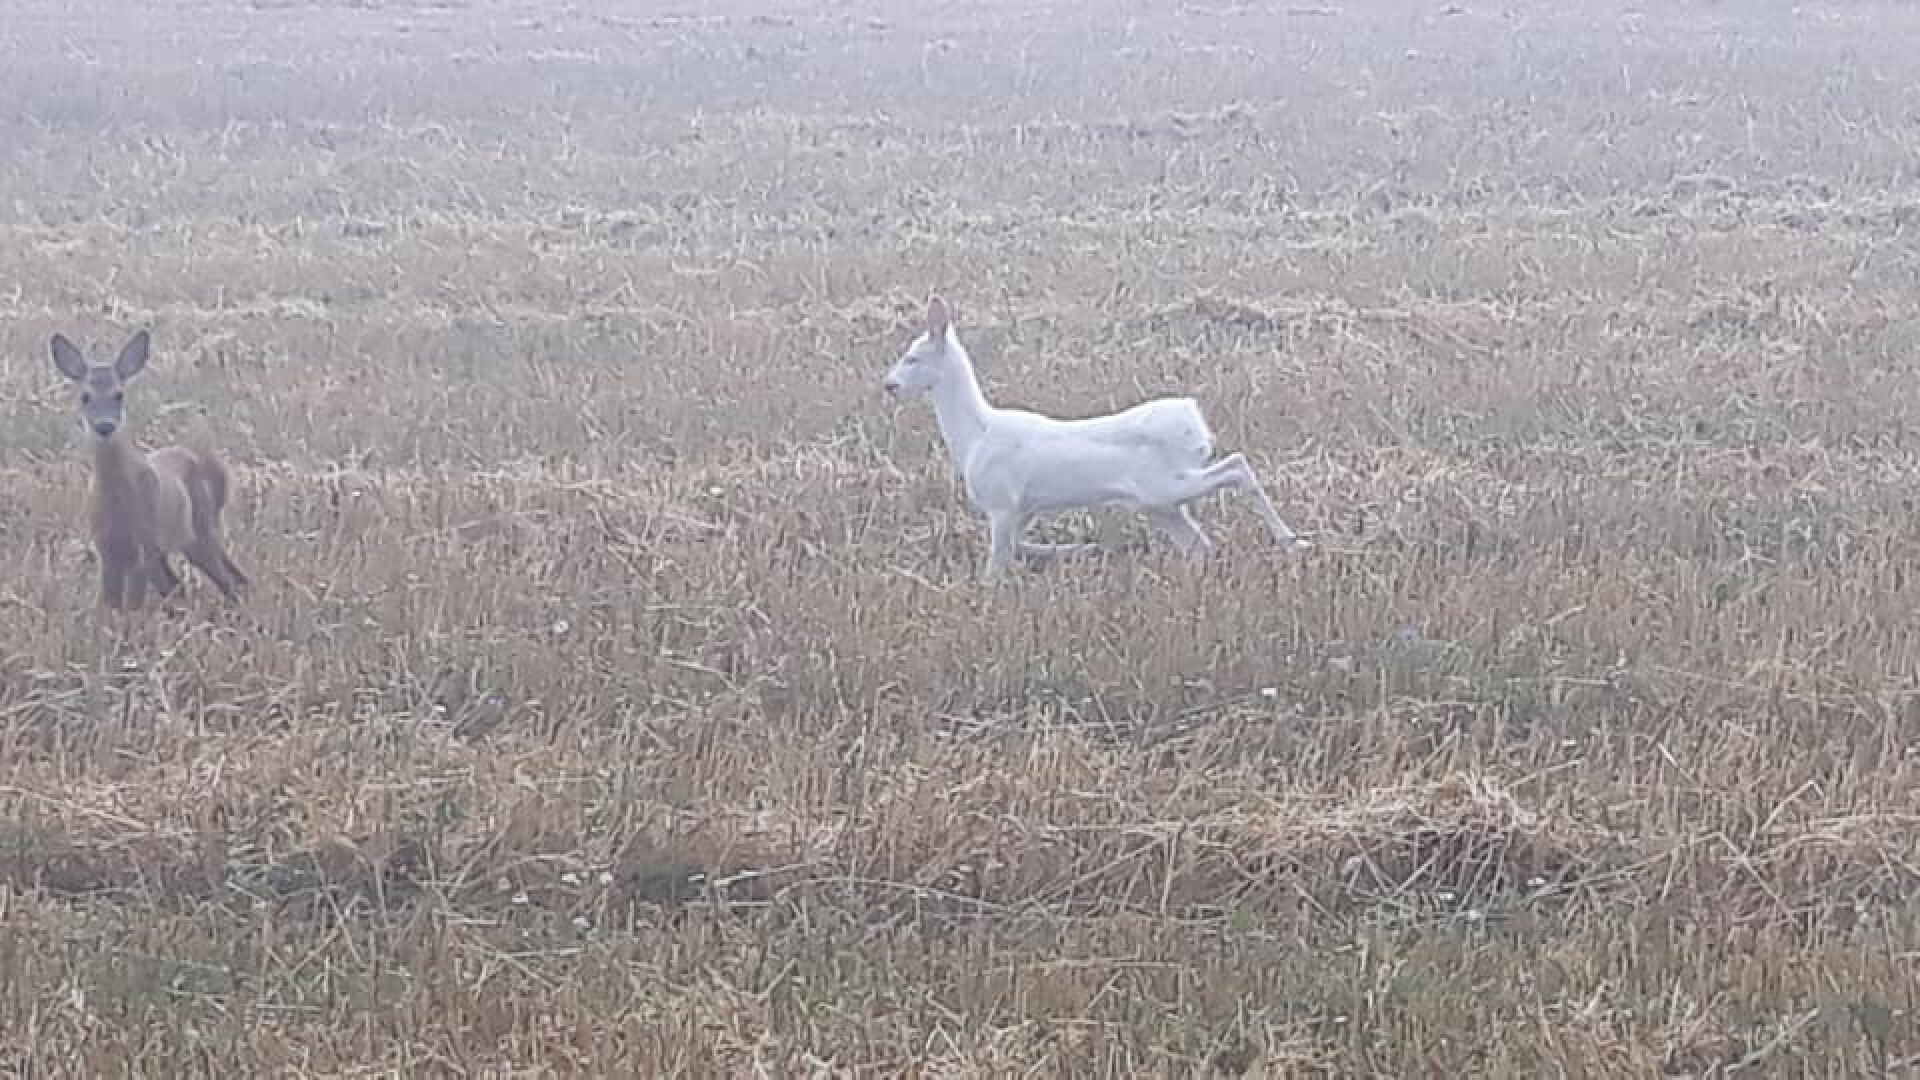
{"x": 617, "y": 699}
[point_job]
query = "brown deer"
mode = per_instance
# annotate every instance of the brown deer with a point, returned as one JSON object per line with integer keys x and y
{"x": 145, "y": 508}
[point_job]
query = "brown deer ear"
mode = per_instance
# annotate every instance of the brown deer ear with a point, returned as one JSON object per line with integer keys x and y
{"x": 133, "y": 356}
{"x": 66, "y": 357}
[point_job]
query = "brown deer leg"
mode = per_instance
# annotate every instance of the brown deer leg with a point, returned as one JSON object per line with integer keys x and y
{"x": 165, "y": 581}
{"x": 210, "y": 500}
{"x": 207, "y": 559}
{"x": 133, "y": 583}
{"x": 113, "y": 582}
{"x": 234, "y": 575}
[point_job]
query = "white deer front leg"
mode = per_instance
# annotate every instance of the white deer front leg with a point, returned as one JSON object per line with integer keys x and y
{"x": 1003, "y": 542}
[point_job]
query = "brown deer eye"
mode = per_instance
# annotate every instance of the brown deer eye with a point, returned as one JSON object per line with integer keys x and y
{"x": 86, "y": 399}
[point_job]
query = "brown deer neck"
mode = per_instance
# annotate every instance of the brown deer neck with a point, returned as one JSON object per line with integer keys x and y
{"x": 116, "y": 468}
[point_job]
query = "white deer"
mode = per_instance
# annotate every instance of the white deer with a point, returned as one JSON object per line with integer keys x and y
{"x": 1020, "y": 465}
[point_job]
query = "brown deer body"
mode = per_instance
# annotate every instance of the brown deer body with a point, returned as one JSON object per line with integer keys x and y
{"x": 148, "y": 507}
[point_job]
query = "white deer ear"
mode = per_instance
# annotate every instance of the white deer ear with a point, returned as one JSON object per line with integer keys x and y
{"x": 939, "y": 320}
{"x": 66, "y": 357}
{"x": 133, "y": 356}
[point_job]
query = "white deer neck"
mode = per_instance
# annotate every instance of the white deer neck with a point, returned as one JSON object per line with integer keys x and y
{"x": 960, "y": 407}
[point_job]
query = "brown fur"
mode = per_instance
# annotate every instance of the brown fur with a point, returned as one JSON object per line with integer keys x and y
{"x": 148, "y": 508}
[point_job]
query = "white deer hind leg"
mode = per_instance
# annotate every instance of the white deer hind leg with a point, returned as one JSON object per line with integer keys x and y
{"x": 1043, "y": 553}
{"x": 1262, "y": 505}
{"x": 1232, "y": 473}
{"x": 1177, "y": 524}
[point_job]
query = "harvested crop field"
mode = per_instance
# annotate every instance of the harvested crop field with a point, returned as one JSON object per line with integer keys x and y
{"x": 617, "y": 696}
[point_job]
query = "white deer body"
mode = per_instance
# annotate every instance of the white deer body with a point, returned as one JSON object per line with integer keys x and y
{"x": 1019, "y": 465}
{"x": 1040, "y": 465}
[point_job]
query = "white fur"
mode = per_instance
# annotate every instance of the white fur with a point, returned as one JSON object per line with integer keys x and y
{"x": 1020, "y": 465}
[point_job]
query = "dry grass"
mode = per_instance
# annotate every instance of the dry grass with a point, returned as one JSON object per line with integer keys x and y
{"x": 617, "y": 698}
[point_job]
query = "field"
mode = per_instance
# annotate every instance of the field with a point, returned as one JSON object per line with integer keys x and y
{"x": 617, "y": 696}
